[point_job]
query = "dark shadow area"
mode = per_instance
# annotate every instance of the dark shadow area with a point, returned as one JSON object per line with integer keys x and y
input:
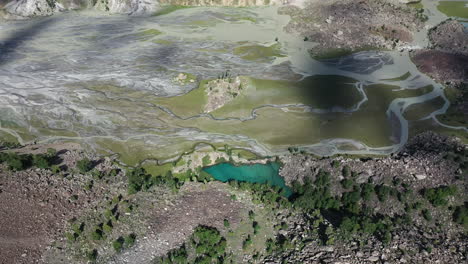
{"x": 11, "y": 44}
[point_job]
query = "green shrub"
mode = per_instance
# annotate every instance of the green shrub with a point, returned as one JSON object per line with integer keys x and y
{"x": 247, "y": 242}
{"x": 346, "y": 171}
{"x": 176, "y": 256}
{"x": 107, "y": 227}
{"x": 438, "y": 196}
{"x": 16, "y": 162}
{"x": 78, "y": 228}
{"x": 206, "y": 161}
{"x": 335, "y": 164}
{"x": 71, "y": 236}
{"x": 84, "y": 165}
{"x": 55, "y": 169}
{"x": 382, "y": 192}
{"x": 460, "y": 215}
{"x": 256, "y": 227}
{"x": 9, "y": 145}
{"x": 251, "y": 215}
{"x": 41, "y": 161}
{"x": 96, "y": 234}
{"x": 427, "y": 215}
{"x": 347, "y": 183}
{"x": 226, "y": 223}
{"x": 208, "y": 243}
{"x": 130, "y": 240}
{"x": 118, "y": 244}
{"x": 92, "y": 255}
{"x": 367, "y": 190}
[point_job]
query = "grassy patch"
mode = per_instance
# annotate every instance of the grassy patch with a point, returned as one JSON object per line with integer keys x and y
{"x": 244, "y": 154}
{"x": 157, "y": 170}
{"x": 399, "y": 78}
{"x": 163, "y": 41}
{"x": 258, "y": 52}
{"x": 169, "y": 9}
{"x": 417, "y": 5}
{"x": 236, "y": 238}
{"x": 454, "y": 8}
{"x": 417, "y": 127}
{"x": 189, "y": 104}
{"x": 147, "y": 34}
{"x": 278, "y": 127}
{"x": 316, "y": 91}
{"x": 7, "y": 137}
{"x": 421, "y": 110}
{"x": 454, "y": 116}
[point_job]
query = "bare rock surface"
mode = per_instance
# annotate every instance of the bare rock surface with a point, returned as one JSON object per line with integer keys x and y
{"x": 353, "y": 25}
{"x": 37, "y": 204}
{"x": 446, "y": 60}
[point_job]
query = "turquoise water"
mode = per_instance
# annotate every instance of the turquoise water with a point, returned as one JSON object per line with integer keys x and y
{"x": 253, "y": 173}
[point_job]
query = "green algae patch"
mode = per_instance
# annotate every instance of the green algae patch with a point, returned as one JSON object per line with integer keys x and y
{"x": 148, "y": 34}
{"x": 203, "y": 23}
{"x": 163, "y": 41}
{"x": 169, "y": 9}
{"x": 319, "y": 91}
{"x": 213, "y": 50}
{"x": 244, "y": 154}
{"x": 189, "y": 104}
{"x": 258, "y": 52}
{"x": 421, "y": 126}
{"x": 158, "y": 170}
{"x": 281, "y": 127}
{"x": 455, "y": 115}
{"x": 422, "y": 110}
{"x": 399, "y": 78}
{"x": 417, "y": 5}
{"x": 7, "y": 137}
{"x": 132, "y": 152}
{"x": 454, "y": 8}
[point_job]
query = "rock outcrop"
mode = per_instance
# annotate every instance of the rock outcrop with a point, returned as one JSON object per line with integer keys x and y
{"x": 348, "y": 25}
{"x": 21, "y": 9}
{"x": 30, "y": 8}
{"x": 18, "y": 9}
{"x": 446, "y": 60}
{"x": 217, "y": 2}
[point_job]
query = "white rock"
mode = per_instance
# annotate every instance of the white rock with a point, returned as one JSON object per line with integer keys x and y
{"x": 420, "y": 176}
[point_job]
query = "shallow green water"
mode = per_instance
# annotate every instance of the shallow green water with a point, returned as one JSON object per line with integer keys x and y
{"x": 454, "y": 8}
{"x": 253, "y": 173}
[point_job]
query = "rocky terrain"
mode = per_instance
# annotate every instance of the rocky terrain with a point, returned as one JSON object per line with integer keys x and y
{"x": 64, "y": 203}
{"x": 344, "y": 26}
{"x": 446, "y": 60}
{"x": 21, "y": 9}
{"x": 38, "y": 203}
{"x": 426, "y": 162}
{"x": 105, "y": 214}
{"x": 221, "y": 91}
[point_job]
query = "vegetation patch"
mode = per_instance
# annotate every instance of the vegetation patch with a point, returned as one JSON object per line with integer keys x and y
{"x": 148, "y": 34}
{"x": 457, "y": 113}
{"x": 399, "y": 78}
{"x": 207, "y": 245}
{"x": 258, "y": 52}
{"x": 424, "y": 109}
{"x": 169, "y": 9}
{"x": 453, "y": 8}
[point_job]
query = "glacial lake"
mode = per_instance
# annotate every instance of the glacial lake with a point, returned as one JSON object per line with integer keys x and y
{"x": 253, "y": 173}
